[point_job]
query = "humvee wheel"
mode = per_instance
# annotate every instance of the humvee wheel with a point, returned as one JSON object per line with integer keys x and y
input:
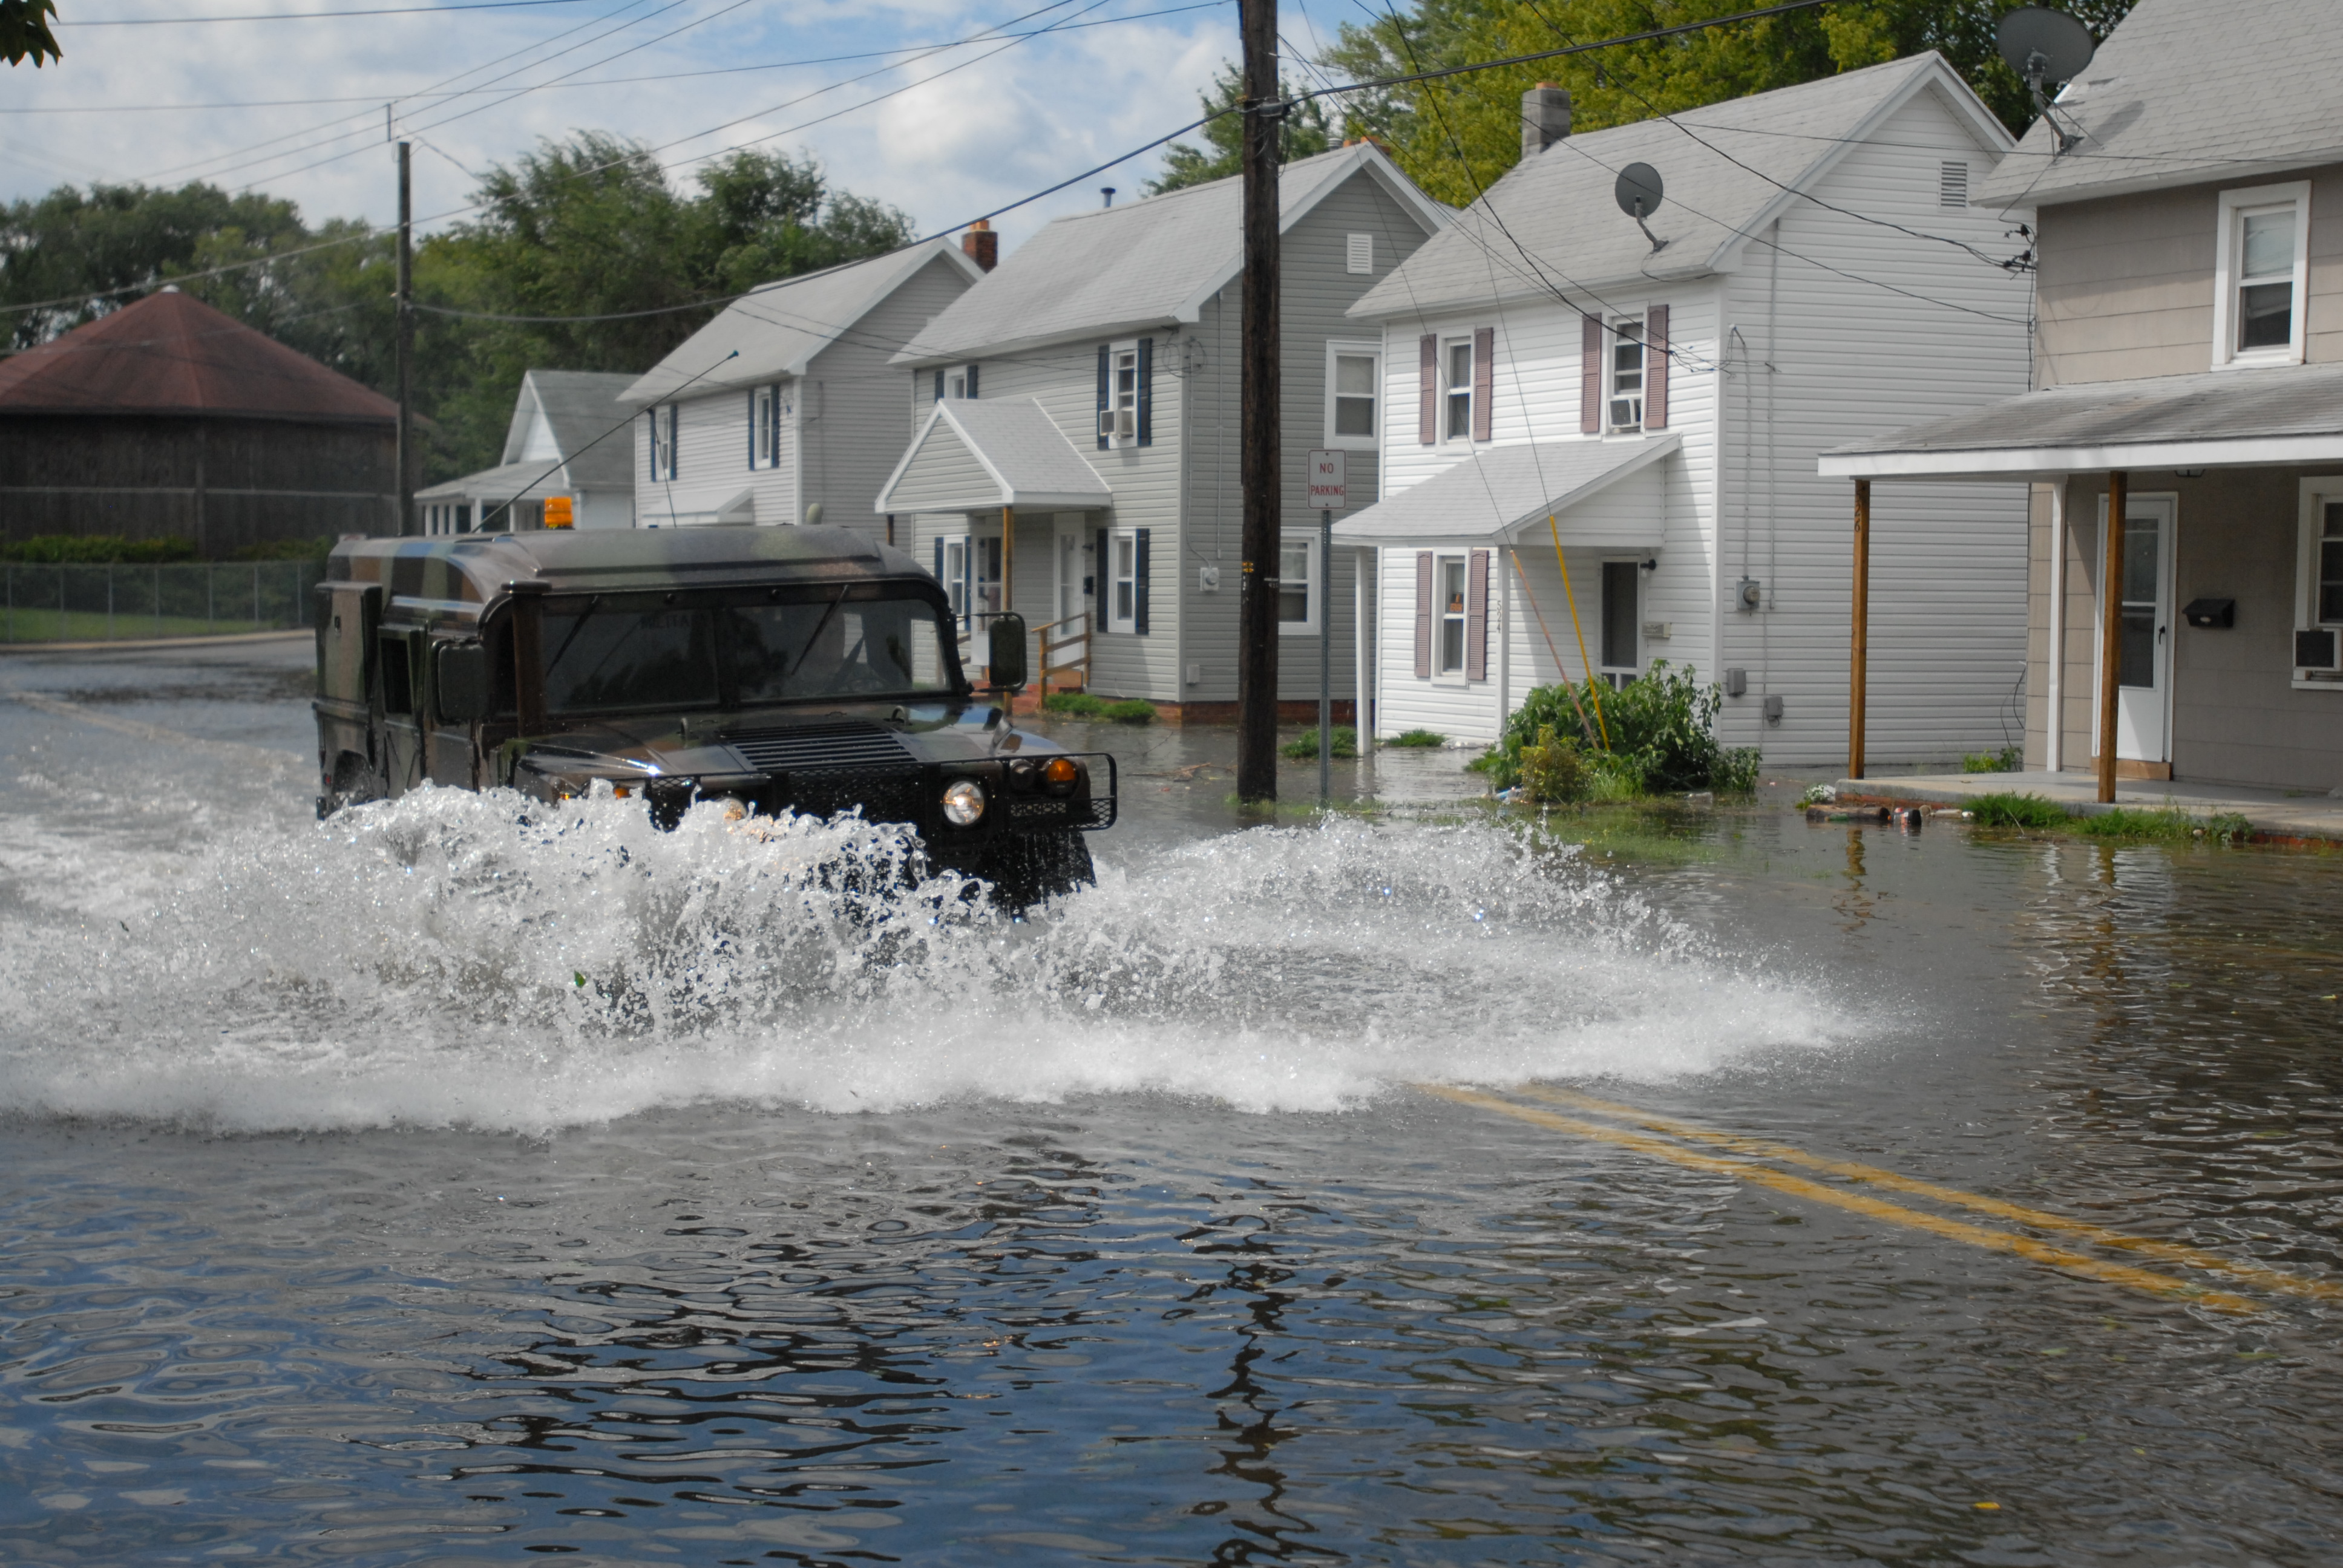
{"x": 1026, "y": 868}
{"x": 350, "y": 785}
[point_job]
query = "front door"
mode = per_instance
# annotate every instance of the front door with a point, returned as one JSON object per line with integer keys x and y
{"x": 1070, "y": 600}
{"x": 2144, "y": 671}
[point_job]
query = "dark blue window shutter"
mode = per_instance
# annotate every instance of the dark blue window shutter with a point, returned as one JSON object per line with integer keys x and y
{"x": 939, "y": 560}
{"x": 655, "y": 419}
{"x": 971, "y": 381}
{"x": 1146, "y": 391}
{"x": 1104, "y": 371}
{"x": 753, "y": 454}
{"x": 940, "y": 385}
{"x": 1139, "y": 585}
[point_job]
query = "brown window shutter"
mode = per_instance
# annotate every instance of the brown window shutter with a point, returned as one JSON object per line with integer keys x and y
{"x": 1476, "y": 616}
{"x": 1424, "y": 614}
{"x": 1655, "y": 368}
{"x": 1484, "y": 379}
{"x": 1590, "y": 375}
{"x": 1427, "y": 415}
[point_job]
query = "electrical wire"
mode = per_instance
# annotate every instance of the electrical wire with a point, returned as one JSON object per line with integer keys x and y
{"x": 309, "y": 15}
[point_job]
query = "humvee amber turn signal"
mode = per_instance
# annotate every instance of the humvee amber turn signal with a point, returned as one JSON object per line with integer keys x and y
{"x": 1059, "y": 774}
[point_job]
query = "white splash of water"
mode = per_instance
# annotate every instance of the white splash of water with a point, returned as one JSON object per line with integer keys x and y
{"x": 452, "y": 959}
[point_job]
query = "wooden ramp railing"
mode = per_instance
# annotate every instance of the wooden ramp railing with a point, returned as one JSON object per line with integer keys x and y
{"x": 1077, "y": 627}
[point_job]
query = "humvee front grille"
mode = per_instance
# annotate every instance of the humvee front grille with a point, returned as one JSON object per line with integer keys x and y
{"x": 834, "y": 743}
{"x": 888, "y": 796}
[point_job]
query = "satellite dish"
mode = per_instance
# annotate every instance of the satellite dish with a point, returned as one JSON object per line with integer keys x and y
{"x": 2043, "y": 45}
{"x": 1638, "y": 191}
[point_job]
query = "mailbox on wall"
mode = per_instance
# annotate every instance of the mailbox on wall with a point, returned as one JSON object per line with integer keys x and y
{"x": 2212, "y": 614}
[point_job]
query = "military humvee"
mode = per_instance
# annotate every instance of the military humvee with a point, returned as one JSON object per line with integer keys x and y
{"x": 785, "y": 669}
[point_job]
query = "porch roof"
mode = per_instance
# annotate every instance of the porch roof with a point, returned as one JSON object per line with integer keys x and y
{"x": 2262, "y": 417}
{"x": 977, "y": 455}
{"x": 507, "y": 482}
{"x": 1498, "y": 491}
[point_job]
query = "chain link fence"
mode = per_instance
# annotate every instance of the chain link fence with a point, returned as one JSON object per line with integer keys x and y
{"x": 126, "y": 603}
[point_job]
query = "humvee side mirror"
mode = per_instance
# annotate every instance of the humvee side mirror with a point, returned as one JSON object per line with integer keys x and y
{"x": 459, "y": 681}
{"x": 1006, "y": 654}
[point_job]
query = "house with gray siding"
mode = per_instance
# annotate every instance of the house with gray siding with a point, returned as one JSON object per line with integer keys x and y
{"x": 785, "y": 408}
{"x": 1599, "y": 435}
{"x": 1106, "y": 346}
{"x": 2191, "y": 357}
{"x": 567, "y": 438}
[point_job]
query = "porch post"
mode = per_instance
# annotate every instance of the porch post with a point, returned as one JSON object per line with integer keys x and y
{"x": 2111, "y": 629}
{"x": 1859, "y": 641}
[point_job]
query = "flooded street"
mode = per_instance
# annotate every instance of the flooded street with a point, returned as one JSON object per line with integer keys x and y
{"x": 445, "y": 1184}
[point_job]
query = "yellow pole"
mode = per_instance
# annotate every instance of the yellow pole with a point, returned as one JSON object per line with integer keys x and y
{"x": 1592, "y": 686}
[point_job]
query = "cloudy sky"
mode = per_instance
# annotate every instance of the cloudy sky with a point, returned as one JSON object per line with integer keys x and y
{"x": 295, "y": 107}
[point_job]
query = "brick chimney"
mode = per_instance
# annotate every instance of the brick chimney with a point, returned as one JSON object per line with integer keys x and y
{"x": 1546, "y": 117}
{"x": 982, "y": 246}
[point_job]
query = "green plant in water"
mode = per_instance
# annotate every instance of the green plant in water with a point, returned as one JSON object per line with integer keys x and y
{"x": 1304, "y": 748}
{"x": 1655, "y": 734}
{"x": 2008, "y": 759}
{"x": 2013, "y": 810}
{"x": 1133, "y": 712}
{"x": 2165, "y": 825}
{"x": 1427, "y": 738}
{"x": 1078, "y": 704}
{"x": 1553, "y": 770}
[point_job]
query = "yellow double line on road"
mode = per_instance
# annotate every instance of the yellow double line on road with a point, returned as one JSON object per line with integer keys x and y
{"x": 1677, "y": 1146}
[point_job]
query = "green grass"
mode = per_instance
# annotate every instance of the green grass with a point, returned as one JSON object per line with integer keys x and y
{"x": 1133, "y": 711}
{"x": 91, "y": 626}
{"x": 2165, "y": 825}
{"x": 1304, "y": 748}
{"x": 1425, "y": 739}
{"x": 2008, "y": 759}
{"x": 1077, "y": 704}
{"x": 1625, "y": 830}
{"x": 2011, "y": 810}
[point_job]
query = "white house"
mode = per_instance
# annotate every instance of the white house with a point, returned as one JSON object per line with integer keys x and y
{"x": 1076, "y": 455}
{"x": 1599, "y": 433}
{"x": 568, "y": 437}
{"x": 783, "y": 409}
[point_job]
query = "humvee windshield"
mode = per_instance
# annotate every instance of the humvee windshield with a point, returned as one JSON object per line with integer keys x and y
{"x": 618, "y": 651}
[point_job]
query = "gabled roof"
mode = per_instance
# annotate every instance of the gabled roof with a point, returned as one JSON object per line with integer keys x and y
{"x": 2188, "y": 91}
{"x": 780, "y": 327}
{"x": 1559, "y": 207}
{"x": 978, "y": 455}
{"x": 584, "y": 411}
{"x": 170, "y": 353}
{"x": 2213, "y": 418}
{"x": 1499, "y": 490}
{"x": 1143, "y": 263}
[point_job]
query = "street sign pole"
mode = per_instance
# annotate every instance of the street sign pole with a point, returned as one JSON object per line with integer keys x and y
{"x": 1327, "y": 493}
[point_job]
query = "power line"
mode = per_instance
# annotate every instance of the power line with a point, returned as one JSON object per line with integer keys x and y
{"x": 309, "y": 15}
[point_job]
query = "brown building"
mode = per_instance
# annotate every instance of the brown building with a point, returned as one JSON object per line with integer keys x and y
{"x": 170, "y": 418}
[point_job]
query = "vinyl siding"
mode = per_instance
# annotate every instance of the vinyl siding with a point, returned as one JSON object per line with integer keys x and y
{"x": 2126, "y": 283}
{"x": 941, "y": 469}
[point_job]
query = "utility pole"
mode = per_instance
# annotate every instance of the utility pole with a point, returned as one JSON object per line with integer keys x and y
{"x": 1258, "y": 426}
{"x": 406, "y": 338}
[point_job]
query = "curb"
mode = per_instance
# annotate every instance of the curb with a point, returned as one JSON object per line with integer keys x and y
{"x": 149, "y": 644}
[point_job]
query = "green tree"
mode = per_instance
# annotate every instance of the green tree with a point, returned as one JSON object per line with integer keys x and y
{"x": 25, "y": 32}
{"x": 1304, "y": 134}
{"x": 1458, "y": 135}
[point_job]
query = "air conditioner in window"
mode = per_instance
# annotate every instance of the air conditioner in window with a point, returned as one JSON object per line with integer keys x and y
{"x": 2319, "y": 649}
{"x": 1123, "y": 422}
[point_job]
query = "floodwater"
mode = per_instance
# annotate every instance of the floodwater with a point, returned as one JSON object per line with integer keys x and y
{"x": 441, "y": 1186}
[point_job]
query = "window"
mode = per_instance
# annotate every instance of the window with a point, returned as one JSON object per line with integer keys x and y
{"x": 663, "y": 424}
{"x": 1622, "y": 589}
{"x": 1623, "y": 391}
{"x": 953, "y": 571}
{"x": 1450, "y": 606}
{"x": 2259, "y": 273}
{"x": 957, "y": 383}
{"x": 2319, "y": 583}
{"x": 1122, "y": 580}
{"x": 1300, "y": 595}
{"x": 1457, "y": 425}
{"x": 1953, "y": 185}
{"x": 1354, "y": 384}
{"x": 765, "y": 427}
{"x": 1122, "y": 393}
{"x": 1359, "y": 253}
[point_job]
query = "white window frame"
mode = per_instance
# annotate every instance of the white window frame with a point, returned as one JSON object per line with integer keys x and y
{"x": 1613, "y": 334}
{"x": 664, "y": 422}
{"x": 1359, "y": 255}
{"x": 1122, "y": 356}
{"x": 2316, "y": 494}
{"x": 1338, "y": 349}
{"x": 765, "y": 427}
{"x": 1112, "y": 577}
{"x": 1450, "y": 393}
{"x": 956, "y": 382}
{"x": 2229, "y": 258}
{"x": 1441, "y": 673}
{"x": 1313, "y": 583}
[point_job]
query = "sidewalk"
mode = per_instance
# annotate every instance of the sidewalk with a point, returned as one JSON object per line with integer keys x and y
{"x": 2275, "y": 812}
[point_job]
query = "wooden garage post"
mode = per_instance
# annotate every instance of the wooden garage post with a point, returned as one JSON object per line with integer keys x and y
{"x": 2111, "y": 629}
{"x": 1859, "y": 642}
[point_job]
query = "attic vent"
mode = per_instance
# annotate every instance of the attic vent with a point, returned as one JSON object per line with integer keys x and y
{"x": 1953, "y": 185}
{"x": 1362, "y": 256}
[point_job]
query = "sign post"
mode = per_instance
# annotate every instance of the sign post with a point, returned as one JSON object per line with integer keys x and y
{"x": 1327, "y": 494}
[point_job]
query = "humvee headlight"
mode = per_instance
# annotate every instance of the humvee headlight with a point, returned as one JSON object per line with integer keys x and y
{"x": 1059, "y": 774}
{"x": 963, "y": 802}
